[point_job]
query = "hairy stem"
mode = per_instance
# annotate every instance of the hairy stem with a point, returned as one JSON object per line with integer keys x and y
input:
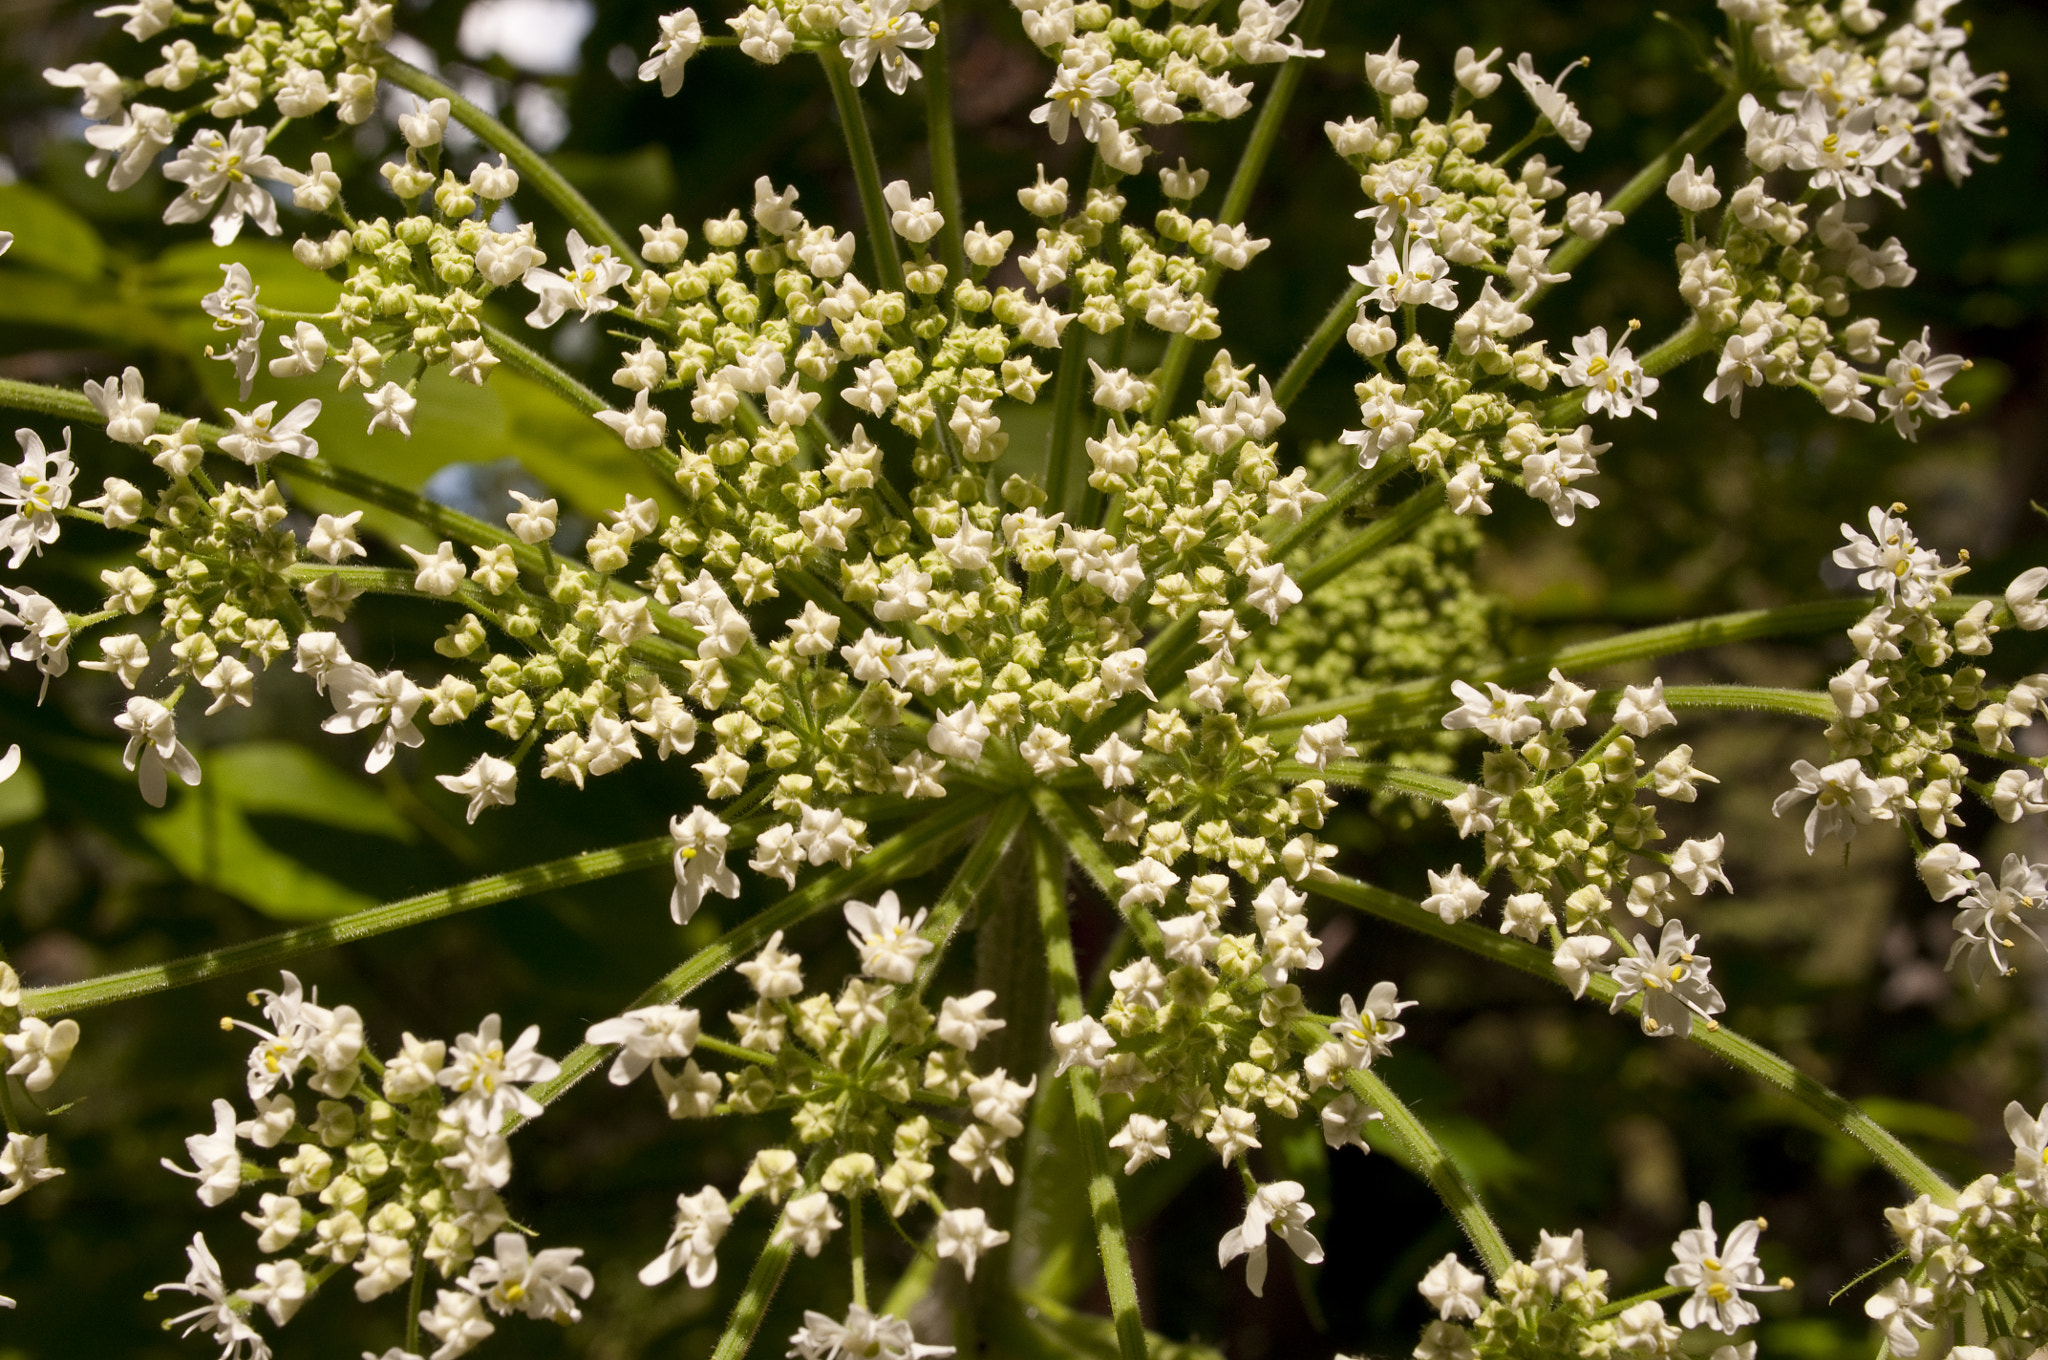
{"x": 533, "y": 168}
{"x": 1317, "y": 347}
{"x": 1737, "y": 1051}
{"x": 941, "y": 144}
{"x": 1049, "y": 873}
{"x": 588, "y": 867}
{"x": 1418, "y": 697}
{"x": 1063, "y": 819}
{"x": 1428, "y": 1159}
{"x": 1244, "y": 183}
{"x": 762, "y": 1282}
{"x": 867, "y": 171}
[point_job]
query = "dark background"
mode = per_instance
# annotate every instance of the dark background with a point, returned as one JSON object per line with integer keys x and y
{"x": 1565, "y": 1116}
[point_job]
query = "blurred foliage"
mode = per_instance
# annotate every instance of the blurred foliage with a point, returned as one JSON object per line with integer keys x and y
{"x": 1563, "y": 1116}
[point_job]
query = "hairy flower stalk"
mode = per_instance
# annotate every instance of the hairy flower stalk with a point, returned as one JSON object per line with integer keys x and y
{"x": 857, "y": 630}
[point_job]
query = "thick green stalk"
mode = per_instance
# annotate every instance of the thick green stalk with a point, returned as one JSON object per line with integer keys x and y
{"x": 1403, "y": 520}
{"x": 1064, "y": 820}
{"x": 941, "y": 145}
{"x": 867, "y": 171}
{"x": 1427, "y": 1158}
{"x": 1049, "y": 873}
{"x": 1317, "y": 347}
{"x": 1067, "y": 388}
{"x": 1361, "y": 775}
{"x": 893, "y": 859}
{"x": 969, "y": 880}
{"x": 1418, "y": 697}
{"x": 1795, "y": 703}
{"x": 1244, "y": 183}
{"x": 533, "y": 168}
{"x": 588, "y": 867}
{"x": 1647, "y": 182}
{"x": 1733, "y": 1048}
{"x": 658, "y": 460}
{"x": 762, "y": 1282}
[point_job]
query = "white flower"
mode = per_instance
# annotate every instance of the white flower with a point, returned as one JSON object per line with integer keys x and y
{"x": 1897, "y": 1309}
{"x": 681, "y": 36}
{"x": 1369, "y": 1034}
{"x": 1278, "y": 1207}
{"x": 457, "y": 1318}
{"x": 1549, "y": 100}
{"x": 1501, "y": 714}
{"x": 259, "y": 436}
{"x": 1642, "y": 709}
{"x": 481, "y": 1073}
{"x": 153, "y": 748}
{"x": 490, "y": 781}
{"x": 222, "y": 168}
{"x": 1084, "y": 1042}
{"x": 364, "y": 699}
{"x": 426, "y": 124}
{"x": 1474, "y": 73}
{"x": 1672, "y": 980}
{"x": 129, "y": 143}
{"x": 216, "y": 1164}
{"x": 1916, "y": 377}
{"x": 40, "y": 1049}
{"x": 1844, "y": 798}
{"x": 1452, "y": 1290}
{"x": 701, "y": 1223}
{"x": 884, "y": 31}
{"x": 584, "y": 286}
{"x": 1578, "y": 959}
{"x": 130, "y": 418}
{"x": 1144, "y": 1138}
{"x": 37, "y": 490}
{"x": 2022, "y": 597}
{"x": 1697, "y": 864}
{"x": 868, "y": 1336}
{"x": 964, "y": 1234}
{"x": 959, "y": 735}
{"x": 1613, "y": 380}
{"x": 538, "y": 1285}
{"x": 391, "y": 408}
{"x": 1323, "y": 742}
{"x": 1693, "y": 191}
{"x": 889, "y": 944}
{"x": 1115, "y": 762}
{"x": 216, "y": 1312}
{"x": 772, "y": 972}
{"x": 808, "y": 1221}
{"x": 645, "y": 1036}
{"x": 1718, "y": 1274}
{"x": 1948, "y": 871}
{"x": 1077, "y": 95}
{"x": 1453, "y": 896}
{"x": 1992, "y": 909}
{"x": 961, "y": 1022}
{"x": 25, "y": 1164}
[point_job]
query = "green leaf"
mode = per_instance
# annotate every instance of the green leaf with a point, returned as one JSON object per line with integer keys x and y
{"x": 207, "y": 835}
{"x": 49, "y": 236}
{"x": 208, "y": 840}
{"x": 289, "y": 781}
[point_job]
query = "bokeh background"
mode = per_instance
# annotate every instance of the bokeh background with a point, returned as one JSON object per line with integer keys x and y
{"x": 1566, "y": 1117}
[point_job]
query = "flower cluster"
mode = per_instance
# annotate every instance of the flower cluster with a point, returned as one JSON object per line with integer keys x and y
{"x": 1898, "y": 741}
{"x": 1569, "y": 830}
{"x": 1551, "y": 1304}
{"x": 1975, "y": 1251}
{"x": 396, "y": 1169}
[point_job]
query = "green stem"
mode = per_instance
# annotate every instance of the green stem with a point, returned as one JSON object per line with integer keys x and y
{"x": 1647, "y": 182}
{"x": 1067, "y": 388}
{"x": 1795, "y": 703}
{"x": 969, "y": 880}
{"x": 1731, "y": 1047}
{"x": 893, "y": 859}
{"x": 940, "y": 144}
{"x": 857, "y": 1247}
{"x": 69, "y": 998}
{"x": 1428, "y": 1159}
{"x": 1403, "y": 520}
{"x": 867, "y": 172}
{"x": 1318, "y": 346}
{"x": 533, "y": 168}
{"x": 1064, "y": 821}
{"x": 762, "y": 1282}
{"x": 1358, "y": 774}
{"x": 1244, "y": 182}
{"x": 1417, "y": 697}
{"x": 550, "y": 375}
{"x": 1049, "y": 872}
